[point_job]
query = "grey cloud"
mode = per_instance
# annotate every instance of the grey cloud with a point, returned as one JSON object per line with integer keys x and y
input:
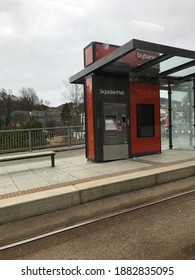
{"x": 43, "y": 40}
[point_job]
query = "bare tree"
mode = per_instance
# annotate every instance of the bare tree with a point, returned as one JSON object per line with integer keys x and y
{"x": 73, "y": 94}
{"x": 28, "y": 99}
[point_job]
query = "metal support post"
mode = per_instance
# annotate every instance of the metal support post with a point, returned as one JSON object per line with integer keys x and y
{"x": 189, "y": 114}
{"x": 30, "y": 140}
{"x": 69, "y": 137}
{"x": 194, "y": 109}
{"x": 170, "y": 116}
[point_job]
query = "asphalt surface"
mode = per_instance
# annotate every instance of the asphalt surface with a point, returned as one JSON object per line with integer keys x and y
{"x": 162, "y": 231}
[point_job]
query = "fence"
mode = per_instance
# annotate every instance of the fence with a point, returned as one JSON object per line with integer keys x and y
{"x": 41, "y": 138}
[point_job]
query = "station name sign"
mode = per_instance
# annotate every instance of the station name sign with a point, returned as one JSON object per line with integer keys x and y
{"x": 145, "y": 56}
{"x": 112, "y": 92}
{"x": 138, "y": 57}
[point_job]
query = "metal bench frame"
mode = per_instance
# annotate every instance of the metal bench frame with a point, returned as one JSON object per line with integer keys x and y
{"x": 30, "y": 155}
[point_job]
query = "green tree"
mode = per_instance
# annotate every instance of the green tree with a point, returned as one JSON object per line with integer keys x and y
{"x": 38, "y": 136}
{"x": 66, "y": 114}
{"x": 7, "y": 103}
{"x": 31, "y": 123}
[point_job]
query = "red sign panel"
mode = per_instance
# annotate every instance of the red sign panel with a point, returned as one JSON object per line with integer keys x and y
{"x": 96, "y": 51}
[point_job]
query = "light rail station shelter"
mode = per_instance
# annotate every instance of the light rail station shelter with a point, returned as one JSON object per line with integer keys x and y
{"x": 122, "y": 89}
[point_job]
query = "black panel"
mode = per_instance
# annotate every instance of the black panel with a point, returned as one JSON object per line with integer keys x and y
{"x": 145, "y": 120}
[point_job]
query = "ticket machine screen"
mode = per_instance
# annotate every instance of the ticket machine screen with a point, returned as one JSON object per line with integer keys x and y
{"x": 110, "y": 122}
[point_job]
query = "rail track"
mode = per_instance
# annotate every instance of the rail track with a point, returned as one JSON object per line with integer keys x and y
{"x": 95, "y": 219}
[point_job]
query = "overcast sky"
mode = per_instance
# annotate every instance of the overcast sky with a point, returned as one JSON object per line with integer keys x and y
{"x": 42, "y": 41}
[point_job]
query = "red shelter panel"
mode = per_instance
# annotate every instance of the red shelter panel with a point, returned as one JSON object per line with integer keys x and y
{"x": 89, "y": 118}
{"x": 102, "y": 50}
{"x": 144, "y": 118}
{"x": 88, "y": 55}
{"x": 95, "y": 51}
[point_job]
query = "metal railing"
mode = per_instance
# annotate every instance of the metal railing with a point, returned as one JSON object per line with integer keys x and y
{"x": 40, "y": 138}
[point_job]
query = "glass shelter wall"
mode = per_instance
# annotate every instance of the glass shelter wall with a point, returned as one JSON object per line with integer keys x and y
{"x": 163, "y": 115}
{"x": 183, "y": 115}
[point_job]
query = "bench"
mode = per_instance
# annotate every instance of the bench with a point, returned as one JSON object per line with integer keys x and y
{"x": 30, "y": 155}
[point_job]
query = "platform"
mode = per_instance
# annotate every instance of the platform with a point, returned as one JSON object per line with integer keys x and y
{"x": 31, "y": 187}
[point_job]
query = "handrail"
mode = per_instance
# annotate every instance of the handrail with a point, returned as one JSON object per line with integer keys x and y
{"x": 40, "y": 138}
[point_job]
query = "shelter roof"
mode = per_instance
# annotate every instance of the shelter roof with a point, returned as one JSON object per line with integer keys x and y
{"x": 155, "y": 61}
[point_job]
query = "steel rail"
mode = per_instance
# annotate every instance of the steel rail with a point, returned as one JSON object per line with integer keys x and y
{"x": 94, "y": 220}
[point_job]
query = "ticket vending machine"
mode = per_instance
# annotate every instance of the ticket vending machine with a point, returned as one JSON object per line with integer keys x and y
{"x": 115, "y": 143}
{"x": 107, "y": 117}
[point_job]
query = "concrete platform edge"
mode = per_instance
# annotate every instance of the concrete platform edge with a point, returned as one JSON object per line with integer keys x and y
{"x": 25, "y": 206}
